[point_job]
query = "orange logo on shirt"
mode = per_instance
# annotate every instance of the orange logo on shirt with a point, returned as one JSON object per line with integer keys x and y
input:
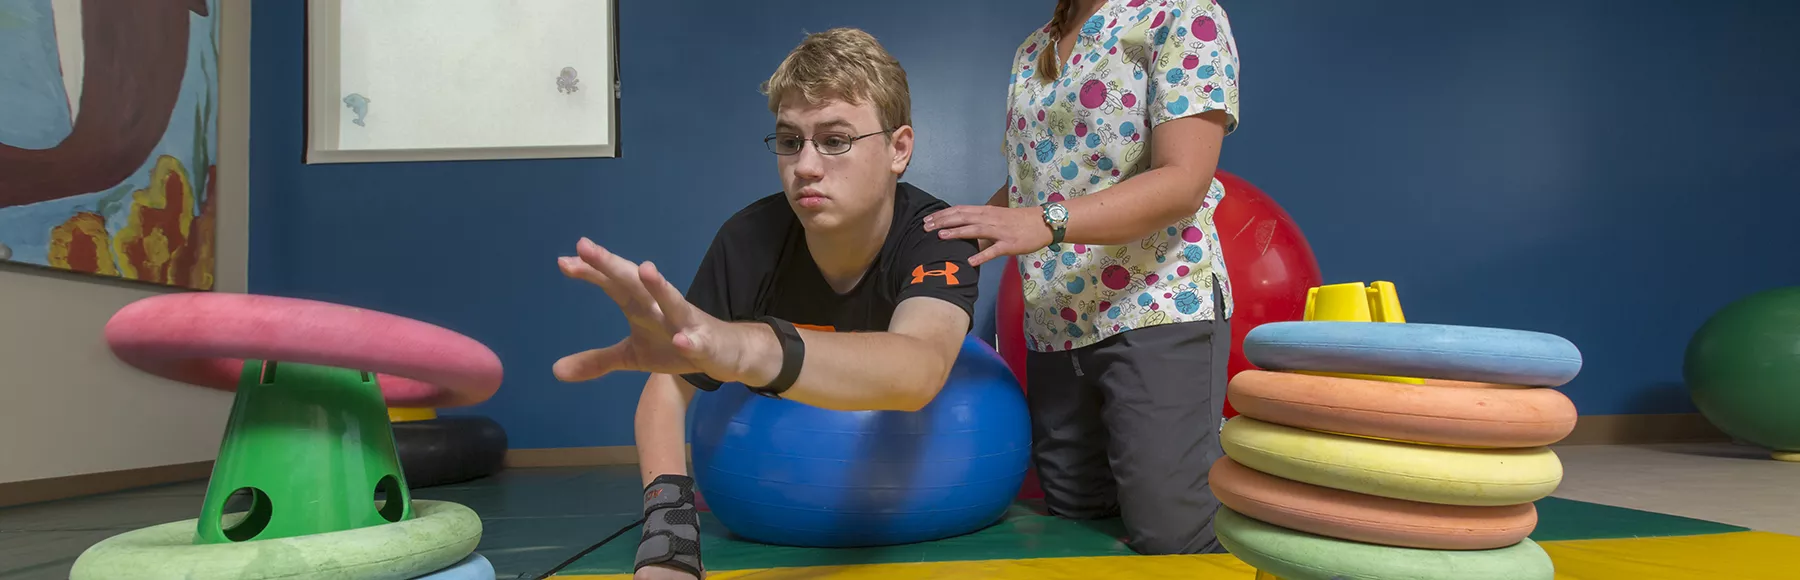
{"x": 948, "y": 273}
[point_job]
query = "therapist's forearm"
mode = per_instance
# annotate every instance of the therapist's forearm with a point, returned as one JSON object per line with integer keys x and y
{"x": 1184, "y": 155}
{"x": 1136, "y": 207}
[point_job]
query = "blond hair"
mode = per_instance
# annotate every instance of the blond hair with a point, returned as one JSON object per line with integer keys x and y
{"x": 846, "y": 64}
{"x": 1049, "y": 61}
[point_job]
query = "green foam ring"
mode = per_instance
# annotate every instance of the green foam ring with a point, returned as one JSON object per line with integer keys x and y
{"x": 1295, "y": 555}
{"x": 312, "y": 446}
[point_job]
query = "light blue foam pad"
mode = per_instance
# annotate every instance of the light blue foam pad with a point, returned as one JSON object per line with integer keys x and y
{"x": 1426, "y": 351}
{"x": 474, "y": 567}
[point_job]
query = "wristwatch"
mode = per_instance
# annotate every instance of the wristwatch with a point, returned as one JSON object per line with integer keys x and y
{"x": 1057, "y": 217}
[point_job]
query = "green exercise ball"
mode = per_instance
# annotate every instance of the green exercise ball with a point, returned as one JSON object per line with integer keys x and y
{"x": 1743, "y": 370}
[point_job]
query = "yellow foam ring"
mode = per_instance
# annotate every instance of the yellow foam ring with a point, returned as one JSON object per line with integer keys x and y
{"x": 1355, "y": 302}
{"x": 1728, "y": 556}
{"x": 1407, "y": 380}
{"x": 1423, "y": 473}
{"x": 401, "y": 414}
{"x": 1402, "y": 441}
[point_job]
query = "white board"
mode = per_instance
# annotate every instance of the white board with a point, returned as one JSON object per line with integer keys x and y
{"x": 432, "y": 80}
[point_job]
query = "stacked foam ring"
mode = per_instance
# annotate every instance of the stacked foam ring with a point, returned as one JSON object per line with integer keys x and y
{"x": 1328, "y": 475}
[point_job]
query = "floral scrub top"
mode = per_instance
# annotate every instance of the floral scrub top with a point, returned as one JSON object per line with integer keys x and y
{"x": 1136, "y": 64}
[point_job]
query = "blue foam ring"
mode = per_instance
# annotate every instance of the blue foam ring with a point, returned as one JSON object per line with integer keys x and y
{"x": 474, "y": 567}
{"x": 1426, "y": 351}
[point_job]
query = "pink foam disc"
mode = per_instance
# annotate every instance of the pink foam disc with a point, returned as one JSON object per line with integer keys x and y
{"x": 204, "y": 338}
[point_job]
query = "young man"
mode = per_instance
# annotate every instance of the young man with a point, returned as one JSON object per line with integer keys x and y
{"x": 830, "y": 293}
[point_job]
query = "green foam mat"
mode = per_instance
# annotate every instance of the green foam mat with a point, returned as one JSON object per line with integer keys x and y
{"x": 1022, "y": 533}
{"x": 1567, "y": 519}
{"x": 1026, "y": 533}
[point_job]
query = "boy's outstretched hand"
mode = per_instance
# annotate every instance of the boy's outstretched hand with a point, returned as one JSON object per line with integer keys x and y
{"x": 668, "y": 334}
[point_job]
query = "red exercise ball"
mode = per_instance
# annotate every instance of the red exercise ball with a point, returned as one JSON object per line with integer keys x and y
{"x": 1009, "y": 313}
{"x": 1268, "y": 260}
{"x": 1270, "y": 264}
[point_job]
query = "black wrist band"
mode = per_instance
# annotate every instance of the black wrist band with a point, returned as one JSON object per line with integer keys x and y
{"x": 703, "y": 381}
{"x": 793, "y": 356}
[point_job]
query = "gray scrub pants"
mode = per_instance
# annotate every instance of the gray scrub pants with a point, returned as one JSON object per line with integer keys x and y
{"x": 1129, "y": 427}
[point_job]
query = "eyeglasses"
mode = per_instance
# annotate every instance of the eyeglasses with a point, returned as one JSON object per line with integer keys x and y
{"x": 825, "y": 143}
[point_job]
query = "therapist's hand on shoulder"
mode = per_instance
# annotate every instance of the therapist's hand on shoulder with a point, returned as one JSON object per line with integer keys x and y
{"x": 1002, "y": 231}
{"x": 669, "y": 335}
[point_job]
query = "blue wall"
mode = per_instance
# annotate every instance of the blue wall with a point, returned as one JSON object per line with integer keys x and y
{"x": 1611, "y": 171}
{"x": 472, "y": 245}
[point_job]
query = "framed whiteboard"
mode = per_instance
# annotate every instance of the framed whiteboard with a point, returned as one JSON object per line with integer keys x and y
{"x": 446, "y": 80}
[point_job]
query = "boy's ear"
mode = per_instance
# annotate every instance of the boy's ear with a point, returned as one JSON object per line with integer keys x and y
{"x": 902, "y": 144}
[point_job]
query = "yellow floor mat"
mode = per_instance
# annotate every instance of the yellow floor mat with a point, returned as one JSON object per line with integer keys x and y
{"x": 1086, "y": 568}
{"x": 1730, "y": 556}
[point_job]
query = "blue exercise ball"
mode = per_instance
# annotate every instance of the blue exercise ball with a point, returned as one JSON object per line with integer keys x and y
{"x": 786, "y": 473}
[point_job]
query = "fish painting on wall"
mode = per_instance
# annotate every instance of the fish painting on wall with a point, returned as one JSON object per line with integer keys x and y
{"x": 109, "y": 137}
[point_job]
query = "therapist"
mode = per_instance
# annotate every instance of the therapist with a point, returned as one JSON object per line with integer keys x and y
{"x": 1116, "y": 113}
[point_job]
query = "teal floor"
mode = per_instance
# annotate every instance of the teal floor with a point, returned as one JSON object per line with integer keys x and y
{"x": 1027, "y": 532}
{"x": 535, "y": 519}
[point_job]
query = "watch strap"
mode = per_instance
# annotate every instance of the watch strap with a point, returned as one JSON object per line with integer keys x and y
{"x": 793, "y": 357}
{"x": 1056, "y": 229}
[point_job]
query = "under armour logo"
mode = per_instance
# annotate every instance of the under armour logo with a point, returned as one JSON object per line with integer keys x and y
{"x": 948, "y": 273}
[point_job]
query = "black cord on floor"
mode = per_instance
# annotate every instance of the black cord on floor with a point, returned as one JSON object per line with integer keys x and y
{"x": 596, "y": 546}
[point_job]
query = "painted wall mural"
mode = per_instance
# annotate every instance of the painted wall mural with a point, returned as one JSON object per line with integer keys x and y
{"x": 109, "y": 136}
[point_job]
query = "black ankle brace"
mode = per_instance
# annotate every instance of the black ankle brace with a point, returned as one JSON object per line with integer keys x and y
{"x": 671, "y": 525}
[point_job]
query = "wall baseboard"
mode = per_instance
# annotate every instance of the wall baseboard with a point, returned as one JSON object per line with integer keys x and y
{"x": 55, "y": 488}
{"x": 1643, "y": 430}
{"x": 1590, "y": 430}
{"x": 572, "y": 456}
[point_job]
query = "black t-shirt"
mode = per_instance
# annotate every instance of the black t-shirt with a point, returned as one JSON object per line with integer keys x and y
{"x": 759, "y": 265}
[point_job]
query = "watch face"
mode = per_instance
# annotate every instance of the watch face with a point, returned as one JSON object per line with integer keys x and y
{"x": 1058, "y": 213}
